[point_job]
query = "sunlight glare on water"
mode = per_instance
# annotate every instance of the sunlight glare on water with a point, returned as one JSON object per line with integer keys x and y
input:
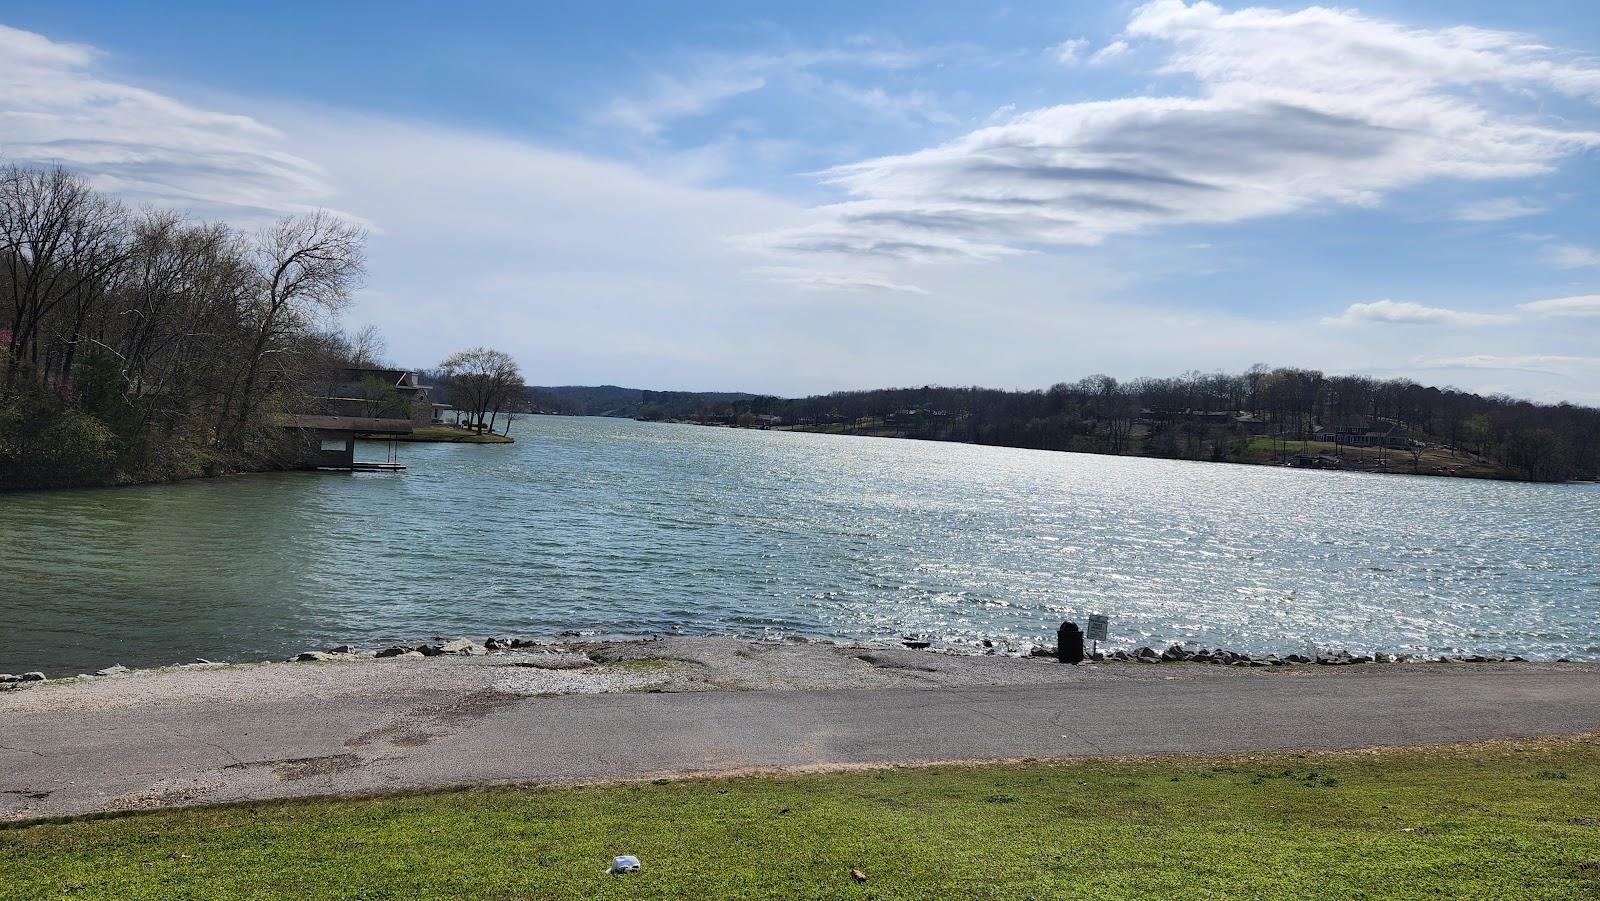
{"x": 612, "y": 527}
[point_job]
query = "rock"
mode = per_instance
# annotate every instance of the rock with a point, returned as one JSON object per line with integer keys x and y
{"x": 476, "y": 650}
{"x": 1148, "y": 659}
{"x": 412, "y": 654}
{"x": 1517, "y": 658}
{"x": 114, "y": 670}
{"x": 459, "y": 646}
{"x": 1041, "y": 651}
{"x": 1145, "y": 653}
{"x": 917, "y": 644}
{"x": 1176, "y": 652}
{"x": 429, "y": 650}
{"x": 309, "y": 656}
{"x": 33, "y": 677}
{"x": 495, "y": 644}
{"x": 524, "y": 643}
{"x": 342, "y": 649}
{"x": 1360, "y": 659}
{"x": 1121, "y": 655}
{"x": 1563, "y": 659}
{"x": 398, "y": 650}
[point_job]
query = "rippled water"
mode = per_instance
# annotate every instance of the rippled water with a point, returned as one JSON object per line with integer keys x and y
{"x": 617, "y": 527}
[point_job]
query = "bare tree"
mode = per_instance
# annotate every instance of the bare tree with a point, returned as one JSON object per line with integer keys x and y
{"x": 368, "y": 347}
{"x": 482, "y": 380}
{"x": 61, "y": 241}
{"x": 305, "y": 266}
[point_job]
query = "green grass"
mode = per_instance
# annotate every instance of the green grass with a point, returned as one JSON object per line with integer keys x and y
{"x": 1432, "y": 460}
{"x": 1490, "y": 822}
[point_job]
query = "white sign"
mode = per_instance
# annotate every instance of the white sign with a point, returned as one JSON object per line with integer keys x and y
{"x": 1099, "y": 626}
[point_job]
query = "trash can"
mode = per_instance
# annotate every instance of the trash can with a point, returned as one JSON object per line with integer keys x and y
{"x": 1069, "y": 643}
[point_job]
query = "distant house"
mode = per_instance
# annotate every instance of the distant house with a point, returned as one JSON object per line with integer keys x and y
{"x": 352, "y": 393}
{"x": 1367, "y": 431}
{"x": 1252, "y": 424}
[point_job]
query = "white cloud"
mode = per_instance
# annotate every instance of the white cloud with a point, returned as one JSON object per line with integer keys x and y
{"x": 1108, "y": 53}
{"x": 1544, "y": 364}
{"x": 1406, "y": 313}
{"x": 831, "y": 281}
{"x": 1292, "y": 110}
{"x": 673, "y": 97}
{"x": 1499, "y": 209}
{"x": 1581, "y": 305}
{"x": 704, "y": 81}
{"x": 147, "y": 147}
{"x": 593, "y": 271}
{"x": 1571, "y": 256}
{"x": 1066, "y": 52}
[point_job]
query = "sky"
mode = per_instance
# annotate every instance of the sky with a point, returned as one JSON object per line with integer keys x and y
{"x": 798, "y": 198}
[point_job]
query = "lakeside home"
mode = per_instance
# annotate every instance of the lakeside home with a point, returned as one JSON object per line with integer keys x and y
{"x": 377, "y": 391}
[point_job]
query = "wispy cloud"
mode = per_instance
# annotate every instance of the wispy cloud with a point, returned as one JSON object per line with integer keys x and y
{"x": 702, "y": 82}
{"x": 671, "y": 97}
{"x": 1580, "y": 305}
{"x": 1281, "y": 120}
{"x": 1406, "y": 313}
{"x": 832, "y": 281}
{"x": 56, "y": 108}
{"x": 1499, "y": 209}
{"x": 1109, "y": 53}
{"x": 1544, "y": 364}
{"x": 1571, "y": 256}
{"x": 1068, "y": 52}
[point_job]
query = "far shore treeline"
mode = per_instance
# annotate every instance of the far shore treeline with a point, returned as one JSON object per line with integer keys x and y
{"x": 1264, "y": 415}
{"x": 140, "y": 346}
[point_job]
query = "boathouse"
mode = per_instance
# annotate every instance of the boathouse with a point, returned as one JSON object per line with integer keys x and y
{"x": 329, "y": 442}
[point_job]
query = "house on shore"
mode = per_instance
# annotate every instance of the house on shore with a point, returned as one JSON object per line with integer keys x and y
{"x": 1367, "y": 431}
{"x": 379, "y": 393}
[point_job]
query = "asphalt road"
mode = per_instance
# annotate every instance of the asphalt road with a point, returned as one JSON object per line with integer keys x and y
{"x": 62, "y": 758}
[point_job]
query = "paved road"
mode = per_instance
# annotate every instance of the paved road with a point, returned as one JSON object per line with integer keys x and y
{"x": 56, "y": 761}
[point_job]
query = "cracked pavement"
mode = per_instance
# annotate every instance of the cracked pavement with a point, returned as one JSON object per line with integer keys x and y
{"x": 705, "y": 706}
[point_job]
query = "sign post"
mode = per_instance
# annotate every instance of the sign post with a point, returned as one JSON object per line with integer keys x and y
{"x": 1099, "y": 629}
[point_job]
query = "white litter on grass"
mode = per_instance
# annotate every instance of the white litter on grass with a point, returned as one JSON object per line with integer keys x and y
{"x": 627, "y": 863}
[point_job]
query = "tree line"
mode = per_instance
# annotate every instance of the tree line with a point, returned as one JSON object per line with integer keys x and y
{"x": 139, "y": 345}
{"x": 1203, "y": 416}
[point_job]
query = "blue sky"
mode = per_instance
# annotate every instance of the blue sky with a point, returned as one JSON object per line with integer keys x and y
{"x": 796, "y": 199}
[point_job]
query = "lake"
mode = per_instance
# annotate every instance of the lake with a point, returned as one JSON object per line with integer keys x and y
{"x": 618, "y": 528}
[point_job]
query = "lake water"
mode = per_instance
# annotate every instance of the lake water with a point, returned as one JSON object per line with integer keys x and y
{"x": 612, "y": 527}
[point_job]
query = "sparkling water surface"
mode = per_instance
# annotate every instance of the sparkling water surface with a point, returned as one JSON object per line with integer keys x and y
{"x": 612, "y": 527}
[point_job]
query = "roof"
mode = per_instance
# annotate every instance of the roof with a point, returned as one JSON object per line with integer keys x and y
{"x": 347, "y": 424}
{"x": 392, "y": 376}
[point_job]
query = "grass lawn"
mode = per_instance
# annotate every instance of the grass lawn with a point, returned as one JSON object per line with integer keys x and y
{"x": 1431, "y": 460}
{"x": 1502, "y": 821}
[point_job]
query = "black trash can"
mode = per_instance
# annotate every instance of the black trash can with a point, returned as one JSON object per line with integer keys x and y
{"x": 1069, "y": 643}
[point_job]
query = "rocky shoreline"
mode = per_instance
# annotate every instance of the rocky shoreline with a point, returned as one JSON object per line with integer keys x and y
{"x": 577, "y": 654}
{"x": 1177, "y": 653}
